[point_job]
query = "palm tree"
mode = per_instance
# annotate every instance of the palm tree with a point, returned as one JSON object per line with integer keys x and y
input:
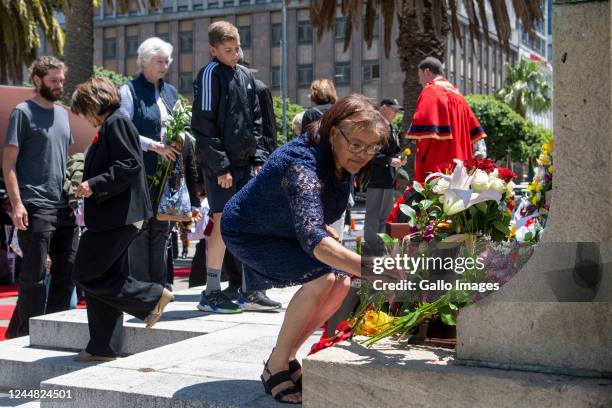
{"x": 78, "y": 53}
{"x": 20, "y": 37}
{"x": 424, "y": 27}
{"x": 525, "y": 88}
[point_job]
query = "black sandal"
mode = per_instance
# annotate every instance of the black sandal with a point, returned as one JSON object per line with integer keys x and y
{"x": 295, "y": 366}
{"x": 275, "y": 380}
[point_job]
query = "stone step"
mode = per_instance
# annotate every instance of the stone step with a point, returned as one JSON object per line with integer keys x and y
{"x": 181, "y": 320}
{"x": 219, "y": 369}
{"x": 388, "y": 375}
{"x": 24, "y": 367}
{"x": 31, "y": 404}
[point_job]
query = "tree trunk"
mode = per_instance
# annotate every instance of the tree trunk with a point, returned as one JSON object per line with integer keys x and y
{"x": 414, "y": 45}
{"x": 79, "y": 49}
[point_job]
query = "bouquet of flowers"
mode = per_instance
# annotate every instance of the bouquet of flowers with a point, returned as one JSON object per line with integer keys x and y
{"x": 465, "y": 208}
{"x": 531, "y": 214}
{"x": 173, "y": 199}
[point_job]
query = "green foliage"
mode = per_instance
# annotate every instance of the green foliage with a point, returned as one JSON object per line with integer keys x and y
{"x": 506, "y": 128}
{"x": 398, "y": 125}
{"x": 525, "y": 88}
{"x": 292, "y": 110}
{"x": 115, "y": 78}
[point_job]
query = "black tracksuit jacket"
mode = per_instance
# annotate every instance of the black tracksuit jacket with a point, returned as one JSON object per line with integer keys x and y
{"x": 226, "y": 118}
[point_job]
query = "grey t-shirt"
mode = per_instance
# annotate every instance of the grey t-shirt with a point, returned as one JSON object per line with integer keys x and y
{"x": 43, "y": 137}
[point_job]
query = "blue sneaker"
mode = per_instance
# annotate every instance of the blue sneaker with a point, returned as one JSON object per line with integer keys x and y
{"x": 217, "y": 302}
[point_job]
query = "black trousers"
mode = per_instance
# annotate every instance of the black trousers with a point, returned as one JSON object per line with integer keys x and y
{"x": 102, "y": 271}
{"x": 197, "y": 277}
{"x": 51, "y": 232}
{"x": 148, "y": 254}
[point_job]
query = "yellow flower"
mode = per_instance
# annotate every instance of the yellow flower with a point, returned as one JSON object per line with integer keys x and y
{"x": 550, "y": 169}
{"x": 544, "y": 160}
{"x": 407, "y": 151}
{"x": 374, "y": 323}
{"x": 512, "y": 231}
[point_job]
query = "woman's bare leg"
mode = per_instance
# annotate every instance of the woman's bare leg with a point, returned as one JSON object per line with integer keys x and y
{"x": 303, "y": 303}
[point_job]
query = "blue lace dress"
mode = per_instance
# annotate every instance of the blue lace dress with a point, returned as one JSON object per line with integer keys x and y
{"x": 275, "y": 222}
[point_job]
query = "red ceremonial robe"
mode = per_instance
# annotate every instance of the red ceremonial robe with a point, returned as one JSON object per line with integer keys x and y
{"x": 443, "y": 126}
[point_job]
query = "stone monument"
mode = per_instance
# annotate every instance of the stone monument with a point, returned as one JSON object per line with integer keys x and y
{"x": 545, "y": 339}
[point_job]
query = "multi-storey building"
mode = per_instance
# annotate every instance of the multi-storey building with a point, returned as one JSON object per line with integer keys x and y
{"x": 475, "y": 67}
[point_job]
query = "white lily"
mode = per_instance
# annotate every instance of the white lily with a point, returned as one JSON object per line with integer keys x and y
{"x": 459, "y": 196}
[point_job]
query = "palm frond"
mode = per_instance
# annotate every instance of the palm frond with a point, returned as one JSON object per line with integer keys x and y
{"x": 388, "y": 13}
{"x": 368, "y": 26}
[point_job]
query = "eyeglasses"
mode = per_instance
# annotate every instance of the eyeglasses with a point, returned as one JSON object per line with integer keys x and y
{"x": 355, "y": 147}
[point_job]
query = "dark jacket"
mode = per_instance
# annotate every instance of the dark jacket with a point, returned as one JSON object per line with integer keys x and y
{"x": 268, "y": 118}
{"x": 313, "y": 114}
{"x": 115, "y": 172}
{"x": 147, "y": 117}
{"x": 191, "y": 172}
{"x": 381, "y": 173}
{"x": 226, "y": 118}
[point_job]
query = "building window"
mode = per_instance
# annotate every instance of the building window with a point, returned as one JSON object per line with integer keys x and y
{"x": 276, "y": 34}
{"x": 245, "y": 36}
{"x": 304, "y": 32}
{"x": 186, "y": 41}
{"x": 375, "y": 29}
{"x": 228, "y": 3}
{"x": 131, "y": 45}
{"x": 213, "y": 4}
{"x": 182, "y": 5}
{"x": 245, "y": 2}
{"x": 275, "y": 76}
{"x": 186, "y": 83}
{"x": 343, "y": 73}
{"x": 340, "y": 28}
{"x": 304, "y": 74}
{"x": 109, "y": 48}
{"x": 164, "y": 36}
{"x": 371, "y": 70}
{"x": 168, "y": 6}
{"x": 198, "y": 6}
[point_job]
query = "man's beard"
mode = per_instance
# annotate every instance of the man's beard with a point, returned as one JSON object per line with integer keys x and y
{"x": 48, "y": 94}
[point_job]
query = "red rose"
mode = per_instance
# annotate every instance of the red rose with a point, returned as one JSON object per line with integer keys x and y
{"x": 485, "y": 165}
{"x": 95, "y": 139}
{"x": 506, "y": 174}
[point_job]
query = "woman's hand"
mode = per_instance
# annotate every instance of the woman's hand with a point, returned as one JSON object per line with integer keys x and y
{"x": 164, "y": 150}
{"x": 195, "y": 215}
{"x": 225, "y": 181}
{"x": 83, "y": 190}
{"x": 333, "y": 233}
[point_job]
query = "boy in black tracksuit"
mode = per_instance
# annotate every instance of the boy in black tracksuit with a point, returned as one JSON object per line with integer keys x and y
{"x": 226, "y": 121}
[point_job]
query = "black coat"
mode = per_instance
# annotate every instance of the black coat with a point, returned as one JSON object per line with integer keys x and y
{"x": 268, "y": 118}
{"x": 115, "y": 172}
{"x": 381, "y": 173}
{"x": 313, "y": 114}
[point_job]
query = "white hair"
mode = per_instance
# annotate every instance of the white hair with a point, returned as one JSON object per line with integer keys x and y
{"x": 153, "y": 47}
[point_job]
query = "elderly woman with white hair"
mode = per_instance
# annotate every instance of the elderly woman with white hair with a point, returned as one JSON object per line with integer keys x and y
{"x": 148, "y": 100}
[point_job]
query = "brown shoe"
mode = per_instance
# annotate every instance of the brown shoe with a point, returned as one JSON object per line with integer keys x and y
{"x": 156, "y": 313}
{"x": 84, "y": 356}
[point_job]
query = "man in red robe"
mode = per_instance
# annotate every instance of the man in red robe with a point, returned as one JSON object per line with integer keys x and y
{"x": 443, "y": 126}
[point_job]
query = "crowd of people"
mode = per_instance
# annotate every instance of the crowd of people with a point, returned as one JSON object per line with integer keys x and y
{"x": 271, "y": 217}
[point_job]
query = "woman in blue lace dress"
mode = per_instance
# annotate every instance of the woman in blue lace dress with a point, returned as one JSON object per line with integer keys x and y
{"x": 278, "y": 226}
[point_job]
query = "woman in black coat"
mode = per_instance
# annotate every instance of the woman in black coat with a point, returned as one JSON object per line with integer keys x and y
{"x": 116, "y": 204}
